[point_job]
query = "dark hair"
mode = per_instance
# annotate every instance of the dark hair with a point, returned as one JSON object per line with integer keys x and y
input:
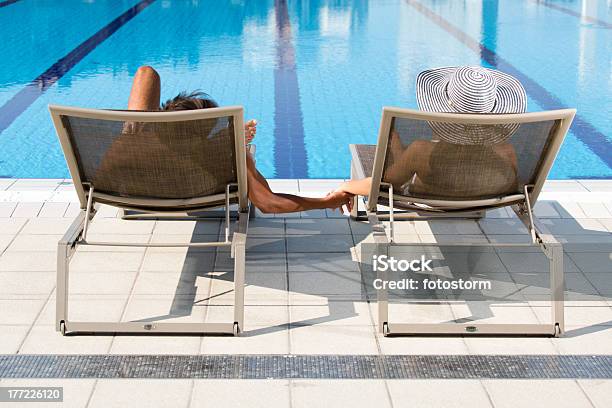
{"x": 185, "y": 101}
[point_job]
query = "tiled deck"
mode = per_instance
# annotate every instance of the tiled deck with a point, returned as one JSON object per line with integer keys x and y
{"x": 303, "y": 296}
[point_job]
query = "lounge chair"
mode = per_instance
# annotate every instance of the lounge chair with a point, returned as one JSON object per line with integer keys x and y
{"x": 154, "y": 163}
{"x": 462, "y": 180}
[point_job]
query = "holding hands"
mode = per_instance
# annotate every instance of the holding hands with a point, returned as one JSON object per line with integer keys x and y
{"x": 339, "y": 199}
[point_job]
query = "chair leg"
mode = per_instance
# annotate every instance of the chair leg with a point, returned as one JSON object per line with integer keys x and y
{"x": 355, "y": 199}
{"x": 557, "y": 286}
{"x": 61, "y": 295}
{"x": 381, "y": 245}
{"x": 65, "y": 249}
{"x": 383, "y": 302}
{"x": 239, "y": 255}
{"x": 239, "y": 272}
{"x": 355, "y": 209}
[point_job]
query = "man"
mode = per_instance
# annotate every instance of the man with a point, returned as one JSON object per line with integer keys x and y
{"x": 145, "y": 96}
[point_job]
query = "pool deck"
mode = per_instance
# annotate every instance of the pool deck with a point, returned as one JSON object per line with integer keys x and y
{"x": 303, "y": 296}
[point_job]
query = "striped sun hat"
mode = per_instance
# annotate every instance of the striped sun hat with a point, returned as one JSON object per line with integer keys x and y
{"x": 470, "y": 89}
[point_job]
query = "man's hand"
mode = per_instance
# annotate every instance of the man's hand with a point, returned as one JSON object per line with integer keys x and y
{"x": 250, "y": 129}
{"x": 339, "y": 199}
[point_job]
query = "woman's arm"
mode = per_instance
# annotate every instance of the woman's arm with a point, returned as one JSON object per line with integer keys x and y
{"x": 356, "y": 187}
{"x": 406, "y": 162}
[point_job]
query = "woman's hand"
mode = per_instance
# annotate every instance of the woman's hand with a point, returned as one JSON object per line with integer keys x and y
{"x": 250, "y": 129}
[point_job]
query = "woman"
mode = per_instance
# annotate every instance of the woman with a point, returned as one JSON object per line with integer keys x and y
{"x": 457, "y": 161}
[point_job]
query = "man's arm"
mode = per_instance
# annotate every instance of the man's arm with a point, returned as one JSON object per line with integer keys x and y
{"x": 268, "y": 201}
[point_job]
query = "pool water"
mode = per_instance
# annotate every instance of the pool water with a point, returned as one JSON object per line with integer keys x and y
{"x": 314, "y": 73}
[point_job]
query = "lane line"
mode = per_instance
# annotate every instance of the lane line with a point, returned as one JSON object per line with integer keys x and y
{"x": 595, "y": 140}
{"x": 573, "y": 13}
{"x": 36, "y": 88}
{"x": 289, "y": 148}
{"x": 7, "y": 3}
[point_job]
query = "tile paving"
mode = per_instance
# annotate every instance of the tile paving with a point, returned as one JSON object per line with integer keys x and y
{"x": 304, "y": 296}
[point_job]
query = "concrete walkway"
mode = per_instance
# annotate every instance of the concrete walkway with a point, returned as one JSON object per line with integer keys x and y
{"x": 304, "y": 295}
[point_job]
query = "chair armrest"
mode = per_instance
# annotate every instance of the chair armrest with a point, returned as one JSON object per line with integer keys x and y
{"x": 362, "y": 160}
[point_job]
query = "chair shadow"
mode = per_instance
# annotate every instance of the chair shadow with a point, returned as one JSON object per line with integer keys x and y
{"x": 340, "y": 303}
{"x": 588, "y": 329}
{"x": 576, "y": 239}
{"x": 217, "y": 267}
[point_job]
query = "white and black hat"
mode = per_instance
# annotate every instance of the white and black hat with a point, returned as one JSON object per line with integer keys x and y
{"x": 470, "y": 89}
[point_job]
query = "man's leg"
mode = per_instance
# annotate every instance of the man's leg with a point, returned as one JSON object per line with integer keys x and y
{"x": 144, "y": 96}
{"x": 145, "y": 91}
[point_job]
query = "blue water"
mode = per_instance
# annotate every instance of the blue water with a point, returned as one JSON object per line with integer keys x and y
{"x": 314, "y": 73}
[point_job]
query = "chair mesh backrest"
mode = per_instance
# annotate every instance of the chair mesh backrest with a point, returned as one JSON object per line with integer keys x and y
{"x": 421, "y": 164}
{"x": 172, "y": 160}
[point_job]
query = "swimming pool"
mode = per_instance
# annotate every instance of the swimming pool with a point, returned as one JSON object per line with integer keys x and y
{"x": 314, "y": 73}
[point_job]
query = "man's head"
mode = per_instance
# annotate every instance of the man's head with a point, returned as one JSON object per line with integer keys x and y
{"x": 189, "y": 101}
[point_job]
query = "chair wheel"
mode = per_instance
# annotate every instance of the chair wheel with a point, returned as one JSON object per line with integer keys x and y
{"x": 236, "y": 329}
{"x": 385, "y": 329}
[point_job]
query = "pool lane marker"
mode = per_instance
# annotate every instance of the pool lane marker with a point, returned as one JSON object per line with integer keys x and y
{"x": 595, "y": 140}
{"x": 23, "y": 99}
{"x": 573, "y": 13}
{"x": 290, "y": 159}
{"x": 7, "y": 3}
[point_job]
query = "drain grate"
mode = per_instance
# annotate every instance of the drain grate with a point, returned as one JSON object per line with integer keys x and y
{"x": 305, "y": 366}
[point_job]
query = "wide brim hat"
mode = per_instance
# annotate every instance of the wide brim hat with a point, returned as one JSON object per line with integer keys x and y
{"x": 470, "y": 90}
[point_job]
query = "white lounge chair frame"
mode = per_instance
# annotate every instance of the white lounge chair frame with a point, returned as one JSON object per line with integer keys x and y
{"x": 89, "y": 199}
{"x": 522, "y": 205}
